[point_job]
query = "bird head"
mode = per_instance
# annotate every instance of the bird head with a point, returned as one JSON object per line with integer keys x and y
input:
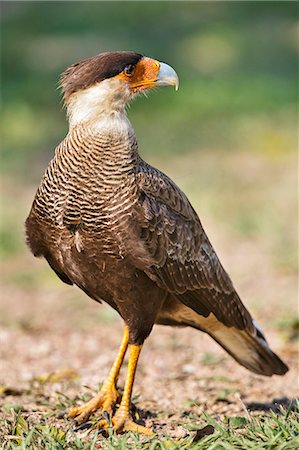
{"x": 106, "y": 83}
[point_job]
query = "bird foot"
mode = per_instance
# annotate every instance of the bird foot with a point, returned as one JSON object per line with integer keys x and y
{"x": 105, "y": 400}
{"x": 122, "y": 422}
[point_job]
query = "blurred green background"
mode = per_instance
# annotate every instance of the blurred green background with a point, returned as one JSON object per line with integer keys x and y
{"x": 228, "y": 137}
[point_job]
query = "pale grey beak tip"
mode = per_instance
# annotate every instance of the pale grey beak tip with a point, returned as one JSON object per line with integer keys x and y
{"x": 167, "y": 76}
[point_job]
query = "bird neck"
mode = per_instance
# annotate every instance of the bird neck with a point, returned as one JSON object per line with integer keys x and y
{"x": 105, "y": 100}
{"x": 108, "y": 144}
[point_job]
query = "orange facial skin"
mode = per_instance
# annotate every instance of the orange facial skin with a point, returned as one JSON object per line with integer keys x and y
{"x": 143, "y": 76}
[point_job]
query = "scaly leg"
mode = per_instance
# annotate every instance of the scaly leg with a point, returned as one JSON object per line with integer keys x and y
{"x": 122, "y": 420}
{"x": 108, "y": 395}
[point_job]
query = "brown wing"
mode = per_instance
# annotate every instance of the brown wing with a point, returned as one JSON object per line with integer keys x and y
{"x": 183, "y": 260}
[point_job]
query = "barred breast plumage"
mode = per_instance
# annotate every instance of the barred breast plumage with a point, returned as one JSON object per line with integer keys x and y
{"x": 89, "y": 185}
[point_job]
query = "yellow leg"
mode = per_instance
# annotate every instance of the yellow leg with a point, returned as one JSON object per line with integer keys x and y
{"x": 122, "y": 420}
{"x": 108, "y": 395}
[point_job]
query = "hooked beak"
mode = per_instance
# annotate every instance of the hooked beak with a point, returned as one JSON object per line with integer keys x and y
{"x": 167, "y": 76}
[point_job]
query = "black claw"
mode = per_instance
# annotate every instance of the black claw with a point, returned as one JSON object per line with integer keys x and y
{"x": 106, "y": 416}
{"x": 83, "y": 426}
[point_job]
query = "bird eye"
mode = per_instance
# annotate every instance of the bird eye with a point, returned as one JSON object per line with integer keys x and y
{"x": 128, "y": 70}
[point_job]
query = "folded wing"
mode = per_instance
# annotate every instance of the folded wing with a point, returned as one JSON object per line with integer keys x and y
{"x": 183, "y": 260}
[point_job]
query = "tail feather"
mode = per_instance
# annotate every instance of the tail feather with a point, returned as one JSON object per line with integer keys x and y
{"x": 248, "y": 346}
{"x": 250, "y": 350}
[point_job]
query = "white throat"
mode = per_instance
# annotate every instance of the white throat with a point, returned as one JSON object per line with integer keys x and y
{"x": 101, "y": 105}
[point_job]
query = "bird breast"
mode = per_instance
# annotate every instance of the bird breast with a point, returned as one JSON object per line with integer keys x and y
{"x": 89, "y": 186}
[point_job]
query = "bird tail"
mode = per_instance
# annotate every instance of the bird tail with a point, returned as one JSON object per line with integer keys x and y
{"x": 248, "y": 346}
{"x": 251, "y": 350}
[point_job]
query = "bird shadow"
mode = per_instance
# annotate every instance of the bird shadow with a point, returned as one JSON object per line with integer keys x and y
{"x": 276, "y": 405}
{"x": 140, "y": 415}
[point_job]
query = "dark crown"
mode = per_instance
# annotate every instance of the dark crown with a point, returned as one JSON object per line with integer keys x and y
{"x": 92, "y": 70}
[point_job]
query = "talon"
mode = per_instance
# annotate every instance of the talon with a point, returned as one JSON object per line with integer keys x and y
{"x": 103, "y": 424}
{"x": 79, "y": 413}
{"x": 121, "y": 424}
{"x": 108, "y": 396}
{"x": 136, "y": 428}
{"x": 106, "y": 416}
{"x": 127, "y": 424}
{"x": 106, "y": 400}
{"x": 83, "y": 426}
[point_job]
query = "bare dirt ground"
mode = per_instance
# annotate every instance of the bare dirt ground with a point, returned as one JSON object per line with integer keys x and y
{"x": 56, "y": 345}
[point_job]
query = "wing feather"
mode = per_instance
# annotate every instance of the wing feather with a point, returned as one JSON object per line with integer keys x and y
{"x": 182, "y": 259}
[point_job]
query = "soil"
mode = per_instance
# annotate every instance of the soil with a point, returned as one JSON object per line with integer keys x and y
{"x": 55, "y": 344}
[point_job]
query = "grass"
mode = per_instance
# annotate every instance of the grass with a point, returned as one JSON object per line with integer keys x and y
{"x": 272, "y": 431}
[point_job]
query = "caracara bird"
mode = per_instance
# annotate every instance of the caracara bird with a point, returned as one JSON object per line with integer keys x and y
{"x": 124, "y": 233}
